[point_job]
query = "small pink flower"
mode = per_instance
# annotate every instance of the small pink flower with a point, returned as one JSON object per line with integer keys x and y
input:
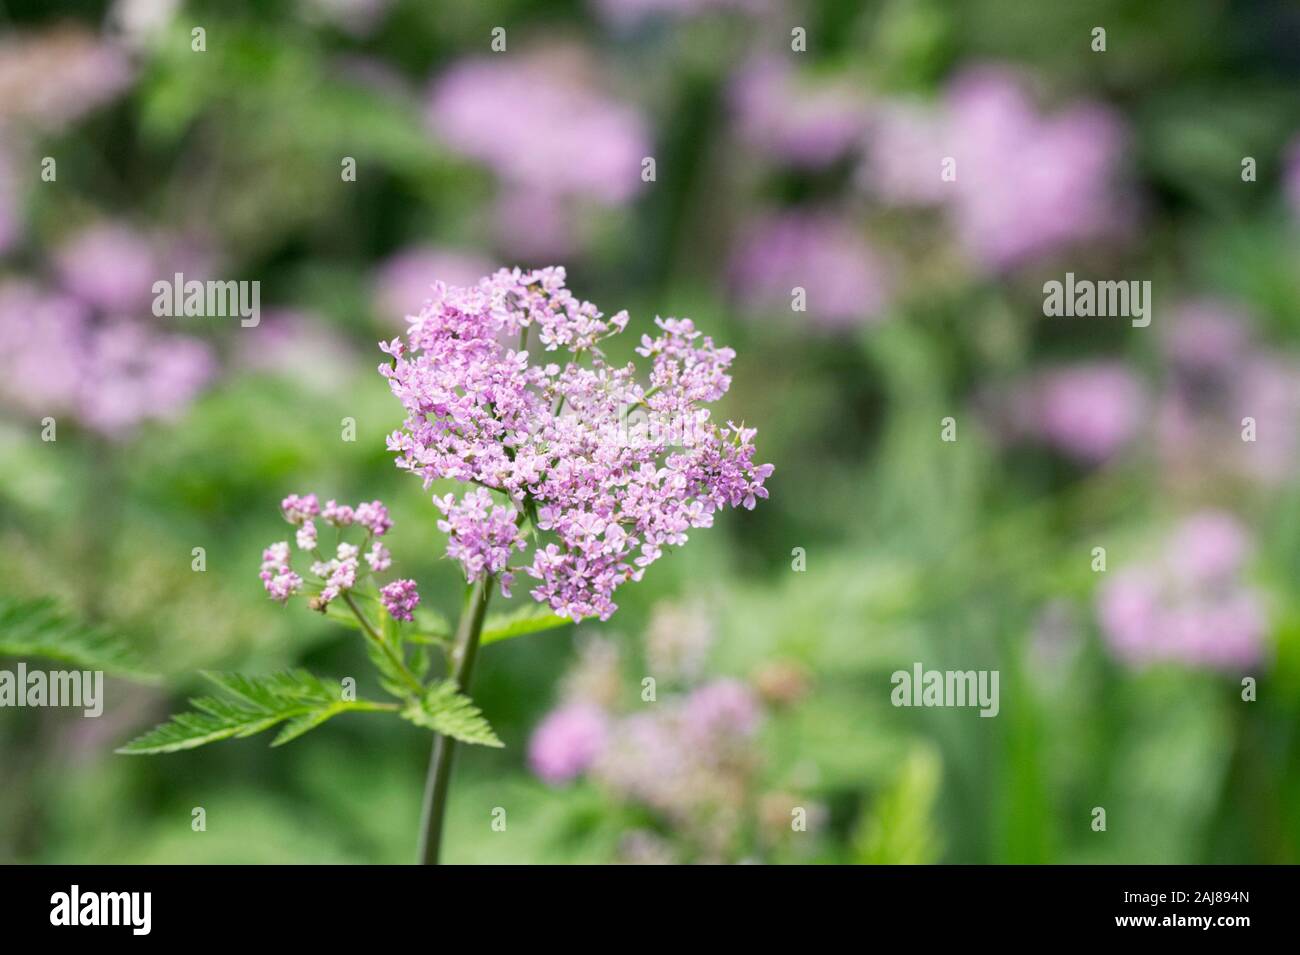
{"x": 400, "y": 598}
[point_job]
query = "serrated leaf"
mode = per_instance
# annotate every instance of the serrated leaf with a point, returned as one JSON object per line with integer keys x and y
{"x": 446, "y": 710}
{"x": 517, "y": 623}
{"x": 252, "y": 704}
{"x": 40, "y": 628}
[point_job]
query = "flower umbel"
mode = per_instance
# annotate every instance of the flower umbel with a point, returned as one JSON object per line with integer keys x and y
{"x": 552, "y": 437}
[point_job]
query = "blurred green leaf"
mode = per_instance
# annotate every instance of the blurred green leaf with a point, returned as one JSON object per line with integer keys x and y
{"x": 899, "y": 829}
{"x": 41, "y": 628}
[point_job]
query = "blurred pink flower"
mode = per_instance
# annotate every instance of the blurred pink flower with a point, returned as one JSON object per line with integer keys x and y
{"x": 629, "y": 12}
{"x": 1190, "y": 604}
{"x": 300, "y": 346}
{"x": 112, "y": 374}
{"x": 1025, "y": 185}
{"x": 52, "y": 78}
{"x": 1291, "y": 175}
{"x": 792, "y": 120}
{"x": 1205, "y": 337}
{"x": 845, "y": 280}
{"x": 1219, "y": 377}
{"x": 720, "y": 709}
{"x": 567, "y": 742}
{"x": 134, "y": 375}
{"x": 109, "y": 266}
{"x": 10, "y": 205}
{"x": 905, "y": 147}
{"x": 540, "y": 123}
{"x": 535, "y": 226}
{"x": 1088, "y": 411}
{"x": 404, "y": 281}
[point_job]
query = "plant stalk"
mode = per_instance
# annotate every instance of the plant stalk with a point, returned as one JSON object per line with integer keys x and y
{"x": 464, "y": 651}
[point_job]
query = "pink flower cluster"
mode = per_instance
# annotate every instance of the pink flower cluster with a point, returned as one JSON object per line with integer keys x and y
{"x": 1024, "y": 185}
{"x": 803, "y": 124}
{"x": 1222, "y": 380}
{"x": 556, "y": 144}
{"x": 1191, "y": 604}
{"x": 58, "y": 355}
{"x": 845, "y": 281}
{"x": 553, "y": 438}
{"x": 400, "y": 598}
{"x": 481, "y": 534}
{"x": 1088, "y": 410}
{"x": 340, "y": 573}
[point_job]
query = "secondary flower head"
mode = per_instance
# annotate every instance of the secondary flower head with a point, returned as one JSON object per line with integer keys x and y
{"x": 610, "y": 468}
{"x": 400, "y": 599}
{"x": 342, "y": 572}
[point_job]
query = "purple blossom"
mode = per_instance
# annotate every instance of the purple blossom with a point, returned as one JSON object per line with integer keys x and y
{"x": 10, "y": 204}
{"x": 338, "y": 515}
{"x": 112, "y": 374}
{"x": 400, "y": 599}
{"x": 567, "y": 742}
{"x": 844, "y": 280}
{"x": 562, "y": 137}
{"x": 481, "y": 534}
{"x": 298, "y": 509}
{"x": 792, "y": 120}
{"x": 405, "y": 280}
{"x": 109, "y": 266}
{"x": 373, "y": 516}
{"x": 1025, "y": 185}
{"x": 1191, "y": 603}
{"x": 343, "y": 571}
{"x": 379, "y": 558}
{"x": 52, "y": 78}
{"x": 306, "y": 536}
{"x": 280, "y": 581}
{"x": 553, "y": 439}
{"x": 1219, "y": 377}
{"x": 1291, "y": 175}
{"x": 722, "y": 709}
{"x": 1089, "y": 411}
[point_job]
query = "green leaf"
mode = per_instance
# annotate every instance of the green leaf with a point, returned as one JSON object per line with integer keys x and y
{"x": 40, "y": 628}
{"x": 517, "y": 623}
{"x": 446, "y": 710}
{"x": 900, "y": 828}
{"x": 252, "y": 704}
{"x": 338, "y": 612}
{"x": 430, "y": 627}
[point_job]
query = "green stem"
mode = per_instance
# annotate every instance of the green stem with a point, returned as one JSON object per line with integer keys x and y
{"x": 462, "y": 668}
{"x": 383, "y": 645}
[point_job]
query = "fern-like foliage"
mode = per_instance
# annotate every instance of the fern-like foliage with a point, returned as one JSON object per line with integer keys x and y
{"x": 446, "y": 710}
{"x": 252, "y": 704}
{"x": 40, "y": 628}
